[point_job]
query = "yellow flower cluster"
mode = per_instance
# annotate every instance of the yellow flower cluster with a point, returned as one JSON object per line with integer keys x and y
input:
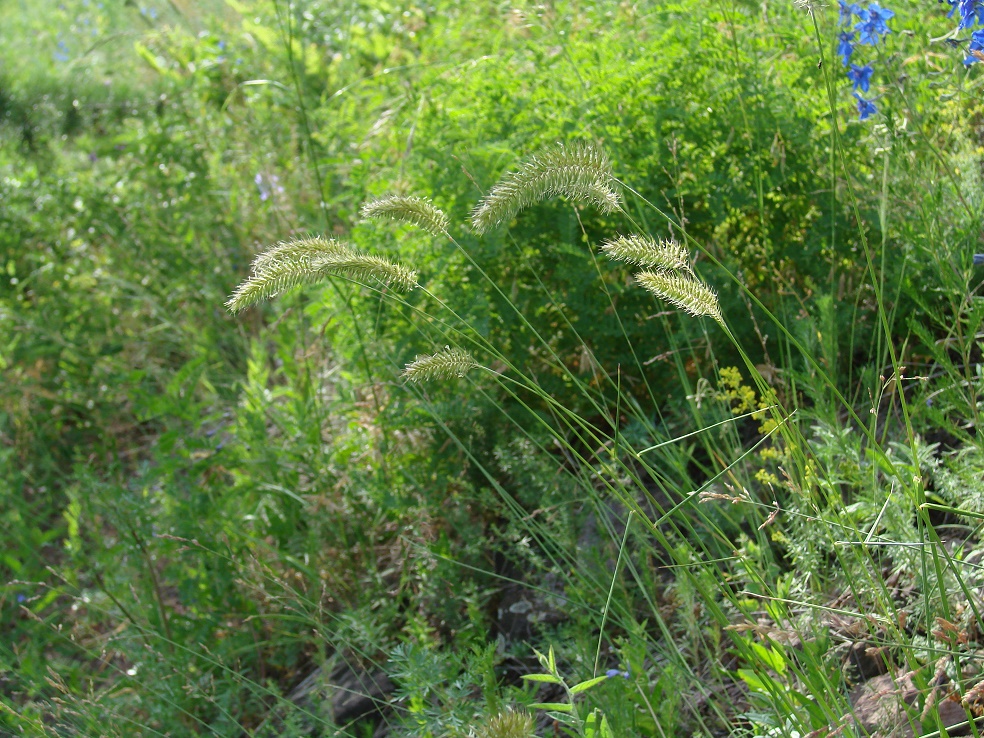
{"x": 743, "y": 399}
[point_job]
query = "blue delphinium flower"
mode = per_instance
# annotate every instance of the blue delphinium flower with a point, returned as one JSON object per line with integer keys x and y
{"x": 860, "y": 76}
{"x": 970, "y": 12}
{"x": 866, "y": 108}
{"x": 847, "y": 11}
{"x": 976, "y": 52}
{"x": 872, "y": 24}
{"x": 616, "y": 672}
{"x": 845, "y": 46}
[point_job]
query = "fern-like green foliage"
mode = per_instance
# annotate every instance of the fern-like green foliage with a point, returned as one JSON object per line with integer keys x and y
{"x": 686, "y": 292}
{"x": 580, "y": 171}
{"x": 508, "y": 724}
{"x": 418, "y": 211}
{"x": 312, "y": 260}
{"x": 646, "y": 252}
{"x": 445, "y": 364}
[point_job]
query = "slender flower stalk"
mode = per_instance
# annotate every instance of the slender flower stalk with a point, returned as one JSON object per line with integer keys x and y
{"x": 871, "y": 26}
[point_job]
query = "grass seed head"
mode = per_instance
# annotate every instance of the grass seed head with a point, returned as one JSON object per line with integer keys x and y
{"x": 313, "y": 260}
{"x": 508, "y": 724}
{"x": 445, "y": 364}
{"x": 662, "y": 255}
{"x": 686, "y": 292}
{"x": 418, "y": 211}
{"x": 580, "y": 171}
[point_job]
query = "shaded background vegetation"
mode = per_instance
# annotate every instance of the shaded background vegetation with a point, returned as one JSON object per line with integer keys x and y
{"x": 197, "y": 510}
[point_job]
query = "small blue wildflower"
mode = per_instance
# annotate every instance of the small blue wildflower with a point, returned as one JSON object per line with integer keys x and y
{"x": 872, "y": 24}
{"x": 860, "y": 76}
{"x": 21, "y": 598}
{"x": 221, "y": 45}
{"x": 268, "y": 188}
{"x": 62, "y": 54}
{"x": 845, "y": 46}
{"x": 976, "y": 51}
{"x": 617, "y": 673}
{"x": 978, "y": 259}
{"x": 866, "y": 108}
{"x": 847, "y": 11}
{"x": 970, "y": 12}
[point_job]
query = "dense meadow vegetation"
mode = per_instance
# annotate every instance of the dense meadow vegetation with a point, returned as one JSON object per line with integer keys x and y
{"x": 684, "y": 446}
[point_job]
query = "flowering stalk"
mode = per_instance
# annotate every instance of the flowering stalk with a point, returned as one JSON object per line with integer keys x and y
{"x": 869, "y": 29}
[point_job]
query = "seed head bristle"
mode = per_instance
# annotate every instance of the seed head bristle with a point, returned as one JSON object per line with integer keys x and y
{"x": 418, "y": 211}
{"x": 662, "y": 255}
{"x": 445, "y": 364}
{"x": 508, "y": 724}
{"x": 580, "y": 171}
{"x": 296, "y": 250}
{"x": 686, "y": 292}
{"x": 312, "y": 260}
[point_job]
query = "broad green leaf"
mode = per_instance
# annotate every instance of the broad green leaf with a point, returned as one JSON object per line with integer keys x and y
{"x": 591, "y": 725}
{"x": 542, "y": 678}
{"x": 585, "y": 686}
{"x": 552, "y": 706}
